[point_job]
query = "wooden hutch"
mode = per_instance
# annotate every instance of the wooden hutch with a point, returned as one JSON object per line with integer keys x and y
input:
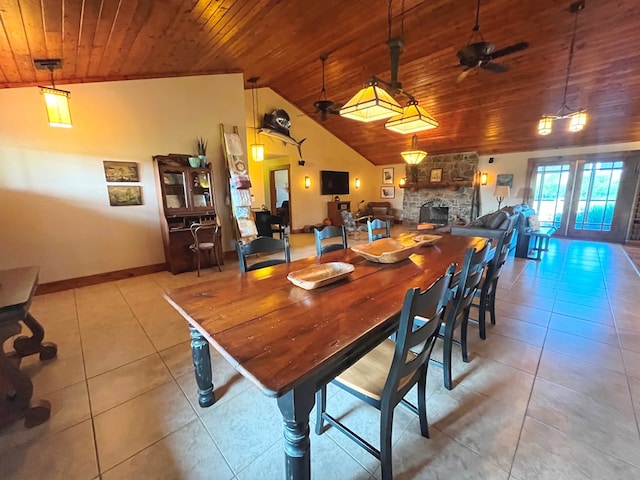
{"x": 187, "y": 197}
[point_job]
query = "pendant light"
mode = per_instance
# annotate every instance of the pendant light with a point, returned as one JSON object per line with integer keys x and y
{"x": 413, "y": 119}
{"x": 257, "y": 149}
{"x": 578, "y": 118}
{"x": 56, "y": 101}
{"x": 413, "y": 156}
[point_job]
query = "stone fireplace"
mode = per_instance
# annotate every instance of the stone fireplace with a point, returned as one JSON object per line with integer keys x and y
{"x": 455, "y": 190}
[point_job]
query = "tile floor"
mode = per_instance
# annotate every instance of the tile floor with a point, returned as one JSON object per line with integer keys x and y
{"x": 553, "y": 393}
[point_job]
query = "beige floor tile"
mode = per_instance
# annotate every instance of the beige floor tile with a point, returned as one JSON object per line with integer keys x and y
{"x": 545, "y": 453}
{"x": 187, "y": 454}
{"x": 178, "y": 358}
{"x": 604, "y": 385}
{"x": 485, "y": 425}
{"x": 244, "y": 428}
{"x": 111, "y": 347}
{"x": 522, "y": 312}
{"x": 523, "y": 331}
{"x": 523, "y": 289}
{"x": 584, "y": 328}
{"x": 634, "y": 386}
{"x": 632, "y": 363}
{"x": 55, "y": 310}
{"x": 131, "y": 427}
{"x": 66, "y": 455}
{"x": 124, "y": 383}
{"x": 583, "y": 312}
{"x": 574, "y": 285}
{"x": 601, "y": 354}
{"x": 586, "y": 420}
{"x": 583, "y": 299}
{"x": 507, "y": 351}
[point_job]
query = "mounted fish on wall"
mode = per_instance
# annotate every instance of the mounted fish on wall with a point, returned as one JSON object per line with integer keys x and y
{"x": 277, "y": 125}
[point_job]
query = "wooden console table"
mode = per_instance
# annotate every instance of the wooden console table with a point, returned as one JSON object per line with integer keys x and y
{"x": 17, "y": 287}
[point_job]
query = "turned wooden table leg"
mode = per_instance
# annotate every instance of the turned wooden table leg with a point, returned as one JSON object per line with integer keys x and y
{"x": 202, "y": 367}
{"x": 295, "y": 407}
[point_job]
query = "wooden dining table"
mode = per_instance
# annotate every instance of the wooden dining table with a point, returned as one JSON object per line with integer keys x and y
{"x": 289, "y": 341}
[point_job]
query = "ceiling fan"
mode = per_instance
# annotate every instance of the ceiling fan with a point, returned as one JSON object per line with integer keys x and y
{"x": 480, "y": 54}
{"x": 324, "y": 106}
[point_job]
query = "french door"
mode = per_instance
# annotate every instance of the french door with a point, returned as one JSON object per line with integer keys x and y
{"x": 589, "y": 196}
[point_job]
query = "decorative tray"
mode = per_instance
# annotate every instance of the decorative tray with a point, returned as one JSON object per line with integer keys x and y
{"x": 320, "y": 275}
{"x": 388, "y": 250}
{"x": 425, "y": 240}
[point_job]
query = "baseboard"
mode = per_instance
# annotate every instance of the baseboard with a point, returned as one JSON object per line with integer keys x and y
{"x": 79, "y": 282}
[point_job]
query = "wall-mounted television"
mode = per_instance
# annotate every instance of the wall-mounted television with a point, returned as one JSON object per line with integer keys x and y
{"x": 334, "y": 183}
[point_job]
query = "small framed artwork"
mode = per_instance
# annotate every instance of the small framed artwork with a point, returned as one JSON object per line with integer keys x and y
{"x": 504, "y": 180}
{"x": 121, "y": 171}
{"x": 124, "y": 196}
{"x": 436, "y": 175}
{"x": 387, "y": 176}
{"x": 387, "y": 192}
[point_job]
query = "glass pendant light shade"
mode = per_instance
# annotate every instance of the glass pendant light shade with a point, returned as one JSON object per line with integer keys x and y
{"x": 414, "y": 118}
{"x": 257, "y": 152}
{"x": 544, "y": 125}
{"x": 57, "y": 104}
{"x": 370, "y": 104}
{"x": 413, "y": 156}
{"x": 578, "y": 121}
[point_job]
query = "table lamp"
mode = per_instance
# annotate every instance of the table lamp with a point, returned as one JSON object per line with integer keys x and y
{"x": 501, "y": 192}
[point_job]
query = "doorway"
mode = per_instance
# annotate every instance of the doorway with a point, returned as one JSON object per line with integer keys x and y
{"x": 280, "y": 193}
{"x": 585, "y": 197}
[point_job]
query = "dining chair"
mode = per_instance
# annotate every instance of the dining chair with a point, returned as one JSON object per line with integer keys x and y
{"x": 353, "y": 225}
{"x": 486, "y": 292}
{"x": 385, "y": 375}
{"x": 378, "y": 228}
{"x": 263, "y": 245}
{"x": 457, "y": 311}
{"x": 205, "y": 237}
{"x": 330, "y": 232}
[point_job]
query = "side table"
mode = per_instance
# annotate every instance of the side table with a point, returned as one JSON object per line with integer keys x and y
{"x": 17, "y": 287}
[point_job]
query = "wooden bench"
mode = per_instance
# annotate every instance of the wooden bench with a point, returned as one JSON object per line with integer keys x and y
{"x": 540, "y": 241}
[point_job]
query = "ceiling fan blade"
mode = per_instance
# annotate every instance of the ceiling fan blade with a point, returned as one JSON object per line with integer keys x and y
{"x": 510, "y": 49}
{"x": 495, "y": 67}
{"x": 463, "y": 74}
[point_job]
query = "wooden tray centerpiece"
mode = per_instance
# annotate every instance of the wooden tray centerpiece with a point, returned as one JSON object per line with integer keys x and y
{"x": 388, "y": 250}
{"x": 320, "y": 275}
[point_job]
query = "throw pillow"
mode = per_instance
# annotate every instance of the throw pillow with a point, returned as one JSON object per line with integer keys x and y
{"x": 534, "y": 222}
{"x": 379, "y": 211}
{"x": 496, "y": 219}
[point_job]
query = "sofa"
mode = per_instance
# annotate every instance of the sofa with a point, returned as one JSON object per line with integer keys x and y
{"x": 495, "y": 224}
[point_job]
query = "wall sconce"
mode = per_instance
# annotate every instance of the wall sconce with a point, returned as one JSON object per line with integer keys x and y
{"x": 56, "y": 101}
{"x": 307, "y": 182}
{"x": 484, "y": 176}
{"x": 357, "y": 183}
{"x": 403, "y": 181}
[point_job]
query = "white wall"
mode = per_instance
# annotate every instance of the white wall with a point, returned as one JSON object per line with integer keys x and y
{"x": 516, "y": 163}
{"x": 55, "y": 210}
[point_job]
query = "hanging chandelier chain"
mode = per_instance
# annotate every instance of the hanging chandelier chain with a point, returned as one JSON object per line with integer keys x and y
{"x": 571, "y": 50}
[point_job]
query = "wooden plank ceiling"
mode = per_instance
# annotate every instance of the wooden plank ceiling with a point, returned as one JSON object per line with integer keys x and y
{"x": 281, "y": 42}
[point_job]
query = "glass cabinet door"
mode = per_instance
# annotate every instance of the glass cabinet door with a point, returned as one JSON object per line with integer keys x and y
{"x": 201, "y": 189}
{"x": 175, "y": 189}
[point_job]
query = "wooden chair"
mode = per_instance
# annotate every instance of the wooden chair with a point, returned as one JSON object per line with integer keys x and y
{"x": 330, "y": 232}
{"x": 384, "y": 375}
{"x": 486, "y": 293}
{"x": 458, "y": 309}
{"x": 262, "y": 245}
{"x": 378, "y": 228}
{"x": 205, "y": 237}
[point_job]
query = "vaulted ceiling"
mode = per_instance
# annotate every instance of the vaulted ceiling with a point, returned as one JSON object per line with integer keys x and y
{"x": 281, "y": 41}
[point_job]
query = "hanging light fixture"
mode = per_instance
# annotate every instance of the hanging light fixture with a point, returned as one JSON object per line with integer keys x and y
{"x": 413, "y": 156}
{"x": 257, "y": 149}
{"x": 373, "y": 102}
{"x": 578, "y": 118}
{"x": 413, "y": 119}
{"x": 56, "y": 101}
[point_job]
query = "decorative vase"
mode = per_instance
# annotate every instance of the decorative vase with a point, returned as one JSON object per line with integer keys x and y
{"x": 194, "y": 162}
{"x": 203, "y": 160}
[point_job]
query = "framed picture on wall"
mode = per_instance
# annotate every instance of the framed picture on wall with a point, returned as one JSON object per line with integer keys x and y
{"x": 436, "y": 175}
{"x": 387, "y": 176}
{"x": 387, "y": 192}
{"x": 121, "y": 171}
{"x": 504, "y": 180}
{"x": 124, "y": 196}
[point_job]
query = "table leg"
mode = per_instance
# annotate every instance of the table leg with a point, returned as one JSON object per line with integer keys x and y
{"x": 202, "y": 367}
{"x": 295, "y": 407}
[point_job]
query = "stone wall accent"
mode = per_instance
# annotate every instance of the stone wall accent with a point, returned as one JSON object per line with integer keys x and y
{"x": 454, "y": 166}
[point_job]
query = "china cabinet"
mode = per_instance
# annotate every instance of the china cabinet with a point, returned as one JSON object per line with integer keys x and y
{"x": 186, "y": 196}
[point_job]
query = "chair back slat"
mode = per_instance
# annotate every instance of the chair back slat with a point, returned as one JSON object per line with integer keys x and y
{"x": 378, "y": 228}
{"x": 330, "y": 232}
{"x": 469, "y": 278}
{"x": 263, "y": 245}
